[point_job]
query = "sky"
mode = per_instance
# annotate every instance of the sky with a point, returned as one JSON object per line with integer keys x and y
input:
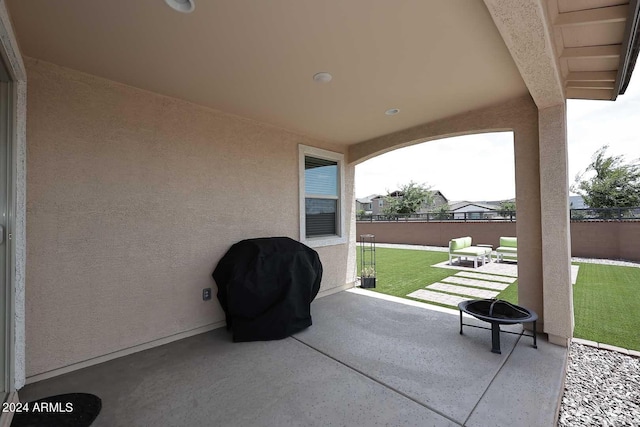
{"x": 487, "y": 159}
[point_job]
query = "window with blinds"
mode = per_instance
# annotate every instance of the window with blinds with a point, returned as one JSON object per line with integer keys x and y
{"x": 321, "y": 187}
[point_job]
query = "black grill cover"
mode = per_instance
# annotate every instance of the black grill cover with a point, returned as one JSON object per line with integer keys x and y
{"x": 266, "y": 286}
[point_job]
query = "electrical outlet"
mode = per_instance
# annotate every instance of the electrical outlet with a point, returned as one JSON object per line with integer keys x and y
{"x": 206, "y": 294}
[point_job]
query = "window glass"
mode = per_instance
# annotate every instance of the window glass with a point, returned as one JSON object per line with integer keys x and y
{"x": 320, "y": 177}
{"x": 321, "y": 217}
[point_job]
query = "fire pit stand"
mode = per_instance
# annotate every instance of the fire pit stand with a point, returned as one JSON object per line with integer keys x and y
{"x": 498, "y": 312}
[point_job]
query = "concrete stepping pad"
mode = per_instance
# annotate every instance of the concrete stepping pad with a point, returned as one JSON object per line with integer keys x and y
{"x": 501, "y": 268}
{"x": 463, "y": 290}
{"x": 474, "y": 282}
{"x": 440, "y": 298}
{"x": 483, "y": 276}
{"x": 574, "y": 274}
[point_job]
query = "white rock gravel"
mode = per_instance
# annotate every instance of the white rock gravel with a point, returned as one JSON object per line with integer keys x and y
{"x": 602, "y": 388}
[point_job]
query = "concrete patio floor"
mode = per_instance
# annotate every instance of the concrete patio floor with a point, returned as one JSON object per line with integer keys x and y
{"x": 365, "y": 361}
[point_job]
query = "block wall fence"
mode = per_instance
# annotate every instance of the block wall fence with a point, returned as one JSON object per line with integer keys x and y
{"x": 606, "y": 239}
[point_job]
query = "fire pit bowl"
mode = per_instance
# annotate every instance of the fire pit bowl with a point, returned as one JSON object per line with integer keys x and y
{"x": 498, "y": 312}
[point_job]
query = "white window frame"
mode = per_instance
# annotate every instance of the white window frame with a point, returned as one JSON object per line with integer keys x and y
{"x": 340, "y": 238}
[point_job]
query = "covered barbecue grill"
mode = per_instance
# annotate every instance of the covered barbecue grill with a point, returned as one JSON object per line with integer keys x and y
{"x": 265, "y": 287}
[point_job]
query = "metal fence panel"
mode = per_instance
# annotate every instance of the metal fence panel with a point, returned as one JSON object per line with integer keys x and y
{"x": 601, "y": 214}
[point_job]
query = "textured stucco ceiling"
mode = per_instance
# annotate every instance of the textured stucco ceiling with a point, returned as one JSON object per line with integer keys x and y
{"x": 257, "y": 58}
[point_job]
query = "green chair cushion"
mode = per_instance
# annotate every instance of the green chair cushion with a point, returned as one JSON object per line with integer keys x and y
{"x": 510, "y": 242}
{"x": 459, "y": 243}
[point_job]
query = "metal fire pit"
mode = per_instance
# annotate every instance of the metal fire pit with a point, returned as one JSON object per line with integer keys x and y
{"x": 498, "y": 312}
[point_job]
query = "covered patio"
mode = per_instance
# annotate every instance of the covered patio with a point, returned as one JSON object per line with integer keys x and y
{"x": 365, "y": 361}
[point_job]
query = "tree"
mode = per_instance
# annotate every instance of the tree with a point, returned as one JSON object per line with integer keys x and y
{"x": 608, "y": 182}
{"x": 506, "y": 208}
{"x": 408, "y": 200}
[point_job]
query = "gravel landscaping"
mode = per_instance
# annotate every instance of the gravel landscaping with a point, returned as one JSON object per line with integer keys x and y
{"x": 602, "y": 388}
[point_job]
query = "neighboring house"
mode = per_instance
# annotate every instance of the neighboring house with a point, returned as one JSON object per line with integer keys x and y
{"x": 438, "y": 200}
{"x": 577, "y": 202}
{"x": 498, "y": 202}
{"x": 378, "y": 202}
{"x": 371, "y": 205}
{"x": 365, "y": 204}
{"x": 375, "y": 203}
{"x": 473, "y": 210}
{"x": 156, "y": 140}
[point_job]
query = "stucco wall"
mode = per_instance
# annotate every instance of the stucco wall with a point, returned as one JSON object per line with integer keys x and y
{"x": 608, "y": 240}
{"x": 132, "y": 198}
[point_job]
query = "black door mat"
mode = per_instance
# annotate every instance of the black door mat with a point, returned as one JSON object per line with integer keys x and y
{"x": 63, "y": 410}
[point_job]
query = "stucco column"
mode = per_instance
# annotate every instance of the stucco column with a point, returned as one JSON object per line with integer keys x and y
{"x": 528, "y": 229}
{"x": 556, "y": 239}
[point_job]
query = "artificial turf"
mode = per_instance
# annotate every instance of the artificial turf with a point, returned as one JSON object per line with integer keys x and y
{"x": 606, "y": 297}
{"x": 606, "y": 305}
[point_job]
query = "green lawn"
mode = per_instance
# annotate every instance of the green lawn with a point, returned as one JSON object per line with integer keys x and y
{"x": 402, "y": 271}
{"x": 606, "y": 298}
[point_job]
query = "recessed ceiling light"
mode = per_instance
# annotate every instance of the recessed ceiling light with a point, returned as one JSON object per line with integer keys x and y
{"x": 392, "y": 111}
{"x": 184, "y": 6}
{"x": 322, "y": 77}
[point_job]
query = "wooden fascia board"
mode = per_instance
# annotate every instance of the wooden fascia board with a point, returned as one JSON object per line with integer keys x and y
{"x": 603, "y": 15}
{"x": 595, "y": 94}
{"x": 608, "y": 51}
{"x": 590, "y": 85}
{"x": 592, "y": 76}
